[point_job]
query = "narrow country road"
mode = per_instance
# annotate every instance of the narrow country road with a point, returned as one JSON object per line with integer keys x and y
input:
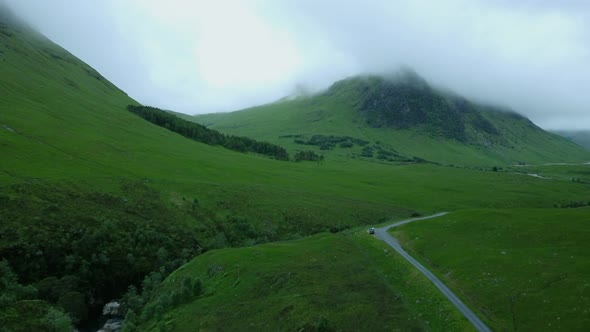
{"x": 382, "y": 234}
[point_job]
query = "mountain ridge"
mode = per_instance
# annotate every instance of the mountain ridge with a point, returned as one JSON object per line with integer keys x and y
{"x": 395, "y": 109}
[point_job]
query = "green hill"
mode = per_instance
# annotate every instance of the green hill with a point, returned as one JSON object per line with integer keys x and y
{"x": 400, "y": 117}
{"x": 342, "y": 282}
{"x": 94, "y": 200}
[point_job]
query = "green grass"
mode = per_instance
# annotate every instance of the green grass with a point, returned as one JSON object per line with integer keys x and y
{"x": 577, "y": 173}
{"x": 522, "y": 269}
{"x": 350, "y": 281}
{"x": 60, "y": 124}
{"x": 66, "y": 138}
{"x": 335, "y": 113}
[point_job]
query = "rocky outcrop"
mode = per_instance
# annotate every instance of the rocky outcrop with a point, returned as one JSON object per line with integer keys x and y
{"x": 112, "y": 325}
{"x": 112, "y": 311}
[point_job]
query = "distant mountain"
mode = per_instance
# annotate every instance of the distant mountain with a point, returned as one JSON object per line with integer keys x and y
{"x": 406, "y": 101}
{"x": 404, "y": 116}
{"x": 580, "y": 137}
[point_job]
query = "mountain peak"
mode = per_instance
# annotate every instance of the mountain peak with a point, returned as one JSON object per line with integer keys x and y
{"x": 403, "y": 76}
{"x": 404, "y": 100}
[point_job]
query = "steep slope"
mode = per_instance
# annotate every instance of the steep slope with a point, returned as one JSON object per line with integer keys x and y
{"x": 404, "y": 115}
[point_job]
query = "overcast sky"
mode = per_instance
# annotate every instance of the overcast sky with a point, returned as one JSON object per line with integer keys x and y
{"x": 219, "y": 55}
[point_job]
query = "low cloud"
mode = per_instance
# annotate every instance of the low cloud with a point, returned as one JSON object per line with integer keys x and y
{"x": 207, "y": 56}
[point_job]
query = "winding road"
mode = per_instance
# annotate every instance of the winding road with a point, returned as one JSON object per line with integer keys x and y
{"x": 382, "y": 234}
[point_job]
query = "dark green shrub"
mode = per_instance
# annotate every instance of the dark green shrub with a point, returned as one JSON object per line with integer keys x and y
{"x": 178, "y": 297}
{"x": 131, "y": 321}
{"x": 308, "y": 155}
{"x": 57, "y": 321}
{"x": 148, "y": 311}
{"x": 367, "y": 152}
{"x": 10, "y": 290}
{"x": 347, "y": 144}
{"x": 197, "y": 287}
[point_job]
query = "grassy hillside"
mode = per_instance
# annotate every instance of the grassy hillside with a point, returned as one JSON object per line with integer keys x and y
{"x": 323, "y": 283}
{"x": 93, "y": 198}
{"x": 405, "y": 117}
{"x": 525, "y": 268}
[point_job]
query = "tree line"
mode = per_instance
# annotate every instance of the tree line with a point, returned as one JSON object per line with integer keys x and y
{"x": 329, "y": 142}
{"x": 200, "y": 133}
{"x": 308, "y": 155}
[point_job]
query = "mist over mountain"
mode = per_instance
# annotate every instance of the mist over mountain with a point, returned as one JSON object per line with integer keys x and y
{"x": 579, "y": 137}
{"x": 402, "y": 117}
{"x": 195, "y": 57}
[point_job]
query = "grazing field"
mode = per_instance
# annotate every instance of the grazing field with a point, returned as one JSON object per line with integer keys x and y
{"x": 520, "y": 269}
{"x": 327, "y": 282}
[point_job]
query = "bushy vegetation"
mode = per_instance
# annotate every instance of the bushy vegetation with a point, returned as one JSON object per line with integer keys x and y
{"x": 308, "y": 155}
{"x": 87, "y": 247}
{"x": 387, "y": 154}
{"x": 367, "y": 152}
{"x": 10, "y": 290}
{"x": 325, "y": 142}
{"x": 19, "y": 311}
{"x": 203, "y": 134}
{"x": 329, "y": 142}
{"x": 150, "y": 303}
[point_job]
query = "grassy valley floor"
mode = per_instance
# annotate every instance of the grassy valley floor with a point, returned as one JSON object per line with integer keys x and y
{"x": 521, "y": 269}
